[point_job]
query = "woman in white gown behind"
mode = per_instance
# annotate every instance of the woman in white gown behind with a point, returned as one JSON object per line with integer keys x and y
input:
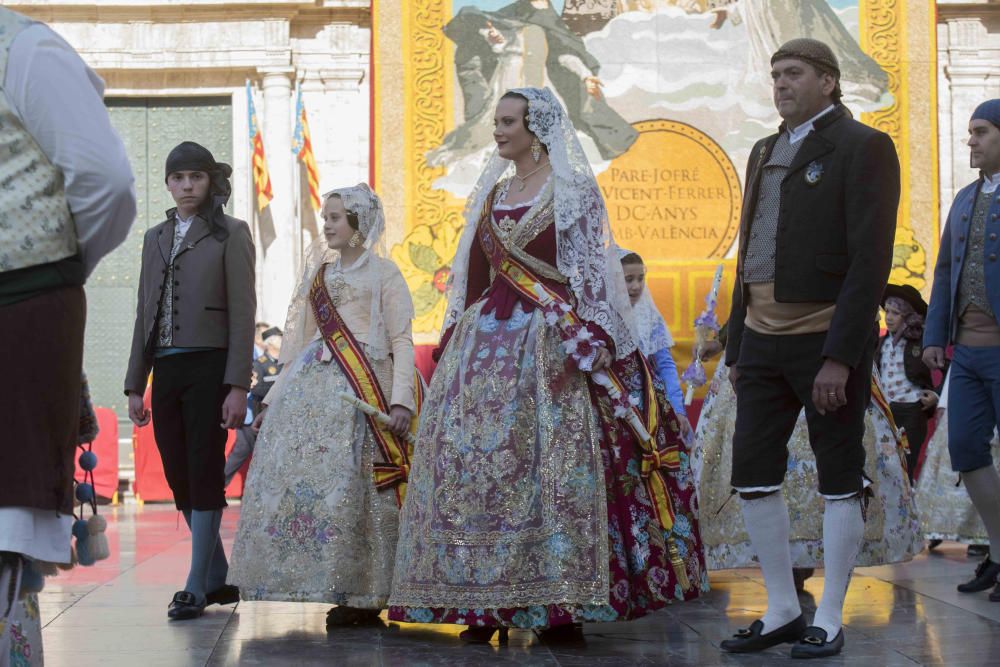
{"x": 318, "y": 523}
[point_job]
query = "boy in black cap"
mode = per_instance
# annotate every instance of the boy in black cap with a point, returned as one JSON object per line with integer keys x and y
{"x": 905, "y": 378}
{"x": 194, "y": 328}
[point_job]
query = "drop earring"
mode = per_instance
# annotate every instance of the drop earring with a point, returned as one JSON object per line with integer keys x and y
{"x": 536, "y": 150}
{"x": 356, "y": 239}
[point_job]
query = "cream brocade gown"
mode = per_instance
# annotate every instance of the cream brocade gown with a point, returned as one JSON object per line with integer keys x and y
{"x": 892, "y": 530}
{"x": 946, "y": 513}
{"x": 312, "y": 526}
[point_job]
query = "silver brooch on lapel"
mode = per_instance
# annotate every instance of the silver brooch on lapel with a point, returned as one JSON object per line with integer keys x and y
{"x": 814, "y": 172}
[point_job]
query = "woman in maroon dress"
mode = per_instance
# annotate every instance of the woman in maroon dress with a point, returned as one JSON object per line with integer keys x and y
{"x": 536, "y": 499}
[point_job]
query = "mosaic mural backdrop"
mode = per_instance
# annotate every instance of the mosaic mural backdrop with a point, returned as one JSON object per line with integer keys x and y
{"x": 668, "y": 97}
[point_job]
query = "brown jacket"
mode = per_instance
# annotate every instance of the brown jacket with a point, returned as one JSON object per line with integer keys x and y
{"x": 214, "y": 298}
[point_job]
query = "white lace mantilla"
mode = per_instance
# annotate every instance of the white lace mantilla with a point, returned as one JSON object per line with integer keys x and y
{"x": 585, "y": 249}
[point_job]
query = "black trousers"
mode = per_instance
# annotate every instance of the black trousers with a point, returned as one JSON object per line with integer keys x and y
{"x": 911, "y": 416}
{"x": 775, "y": 382}
{"x": 187, "y": 414}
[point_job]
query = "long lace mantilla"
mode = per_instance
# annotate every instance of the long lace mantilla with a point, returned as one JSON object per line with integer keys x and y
{"x": 586, "y": 253}
{"x": 300, "y": 325}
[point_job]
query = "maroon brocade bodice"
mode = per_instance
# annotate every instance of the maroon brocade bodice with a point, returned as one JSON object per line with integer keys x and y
{"x": 500, "y": 298}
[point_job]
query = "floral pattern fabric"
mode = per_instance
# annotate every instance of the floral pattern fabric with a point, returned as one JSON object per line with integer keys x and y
{"x": 525, "y": 504}
{"x": 946, "y": 512}
{"x": 313, "y": 528}
{"x": 640, "y": 574}
{"x": 892, "y": 531}
{"x": 24, "y": 634}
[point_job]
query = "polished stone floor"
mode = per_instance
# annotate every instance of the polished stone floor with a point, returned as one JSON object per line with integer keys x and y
{"x": 115, "y": 614}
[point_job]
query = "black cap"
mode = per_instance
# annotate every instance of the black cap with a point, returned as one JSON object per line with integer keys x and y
{"x": 907, "y": 293}
{"x": 273, "y": 331}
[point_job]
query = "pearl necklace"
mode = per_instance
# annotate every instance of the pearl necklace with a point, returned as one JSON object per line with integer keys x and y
{"x": 525, "y": 178}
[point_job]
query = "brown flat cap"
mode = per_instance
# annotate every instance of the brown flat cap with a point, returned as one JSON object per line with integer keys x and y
{"x": 811, "y": 51}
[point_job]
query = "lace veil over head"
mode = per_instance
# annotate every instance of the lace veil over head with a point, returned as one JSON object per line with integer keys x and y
{"x": 651, "y": 329}
{"x": 365, "y": 272}
{"x": 585, "y": 250}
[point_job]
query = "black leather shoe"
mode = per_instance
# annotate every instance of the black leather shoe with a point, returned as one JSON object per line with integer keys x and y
{"x": 986, "y": 576}
{"x": 225, "y": 594}
{"x": 343, "y": 615}
{"x": 750, "y": 640}
{"x": 978, "y": 551}
{"x": 478, "y": 634}
{"x": 184, "y": 607}
{"x": 814, "y": 644}
{"x": 800, "y": 574}
{"x": 566, "y": 634}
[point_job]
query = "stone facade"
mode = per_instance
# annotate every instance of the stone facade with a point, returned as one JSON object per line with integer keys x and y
{"x": 191, "y": 48}
{"x": 968, "y": 73}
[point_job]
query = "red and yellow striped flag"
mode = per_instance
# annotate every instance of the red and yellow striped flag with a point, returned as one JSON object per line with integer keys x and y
{"x": 302, "y": 147}
{"x": 261, "y": 177}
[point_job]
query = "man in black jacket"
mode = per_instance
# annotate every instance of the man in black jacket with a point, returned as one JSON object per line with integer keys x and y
{"x": 817, "y": 228}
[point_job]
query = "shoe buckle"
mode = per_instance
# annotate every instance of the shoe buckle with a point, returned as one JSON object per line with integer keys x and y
{"x": 744, "y": 632}
{"x": 815, "y": 641}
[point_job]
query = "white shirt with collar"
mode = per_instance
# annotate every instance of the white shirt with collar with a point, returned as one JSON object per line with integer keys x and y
{"x": 991, "y": 183}
{"x": 183, "y": 225}
{"x": 898, "y": 387}
{"x": 797, "y": 134}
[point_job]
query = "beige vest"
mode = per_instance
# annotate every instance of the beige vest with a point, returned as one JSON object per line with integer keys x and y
{"x": 36, "y": 226}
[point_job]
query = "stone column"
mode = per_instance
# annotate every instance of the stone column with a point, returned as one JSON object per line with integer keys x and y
{"x": 973, "y": 75}
{"x": 279, "y": 277}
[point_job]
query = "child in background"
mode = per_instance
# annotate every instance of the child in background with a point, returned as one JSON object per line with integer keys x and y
{"x": 654, "y": 337}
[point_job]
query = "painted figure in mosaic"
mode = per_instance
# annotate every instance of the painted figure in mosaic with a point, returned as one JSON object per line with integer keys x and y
{"x": 526, "y": 43}
{"x": 892, "y": 531}
{"x": 537, "y": 498}
{"x": 905, "y": 377}
{"x": 815, "y": 251}
{"x": 66, "y": 201}
{"x": 194, "y": 328}
{"x": 653, "y": 335}
{"x": 946, "y": 512}
{"x": 321, "y": 504}
{"x": 769, "y": 23}
{"x": 965, "y": 302}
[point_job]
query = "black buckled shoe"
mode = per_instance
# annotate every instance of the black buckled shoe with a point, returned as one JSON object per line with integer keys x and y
{"x": 344, "y": 615}
{"x": 225, "y": 594}
{"x": 986, "y": 576}
{"x": 566, "y": 634}
{"x": 750, "y": 640}
{"x": 977, "y": 551}
{"x": 813, "y": 644}
{"x": 184, "y": 607}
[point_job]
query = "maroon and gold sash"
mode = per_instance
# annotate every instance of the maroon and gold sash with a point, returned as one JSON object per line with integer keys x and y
{"x": 396, "y": 452}
{"x": 656, "y": 462}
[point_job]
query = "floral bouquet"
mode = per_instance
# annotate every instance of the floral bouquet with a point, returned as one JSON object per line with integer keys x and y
{"x": 706, "y": 325}
{"x": 579, "y": 343}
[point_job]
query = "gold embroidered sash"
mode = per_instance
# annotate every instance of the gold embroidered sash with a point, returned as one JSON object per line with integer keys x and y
{"x": 394, "y": 471}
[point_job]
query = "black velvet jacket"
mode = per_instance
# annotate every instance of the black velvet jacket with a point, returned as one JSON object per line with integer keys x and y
{"x": 835, "y": 229}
